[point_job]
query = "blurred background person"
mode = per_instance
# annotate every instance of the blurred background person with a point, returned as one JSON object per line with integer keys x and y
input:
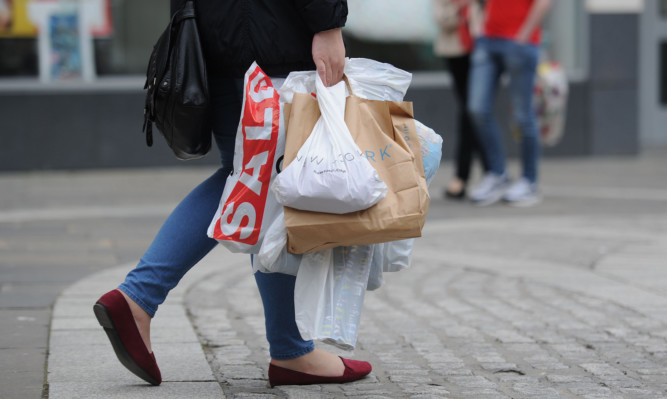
{"x": 459, "y": 22}
{"x": 509, "y": 44}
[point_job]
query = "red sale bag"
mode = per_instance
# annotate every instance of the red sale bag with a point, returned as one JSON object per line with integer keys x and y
{"x": 247, "y": 207}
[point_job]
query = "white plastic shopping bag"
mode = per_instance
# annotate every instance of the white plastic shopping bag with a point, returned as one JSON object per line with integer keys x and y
{"x": 247, "y": 206}
{"x": 368, "y": 79}
{"x": 329, "y": 294}
{"x": 376, "y": 80}
{"x": 330, "y": 173}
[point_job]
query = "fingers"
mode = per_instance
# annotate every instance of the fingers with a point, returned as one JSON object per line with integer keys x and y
{"x": 329, "y": 56}
{"x": 335, "y": 71}
{"x": 323, "y": 72}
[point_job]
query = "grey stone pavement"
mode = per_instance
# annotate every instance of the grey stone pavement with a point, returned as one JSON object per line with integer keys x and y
{"x": 567, "y": 299}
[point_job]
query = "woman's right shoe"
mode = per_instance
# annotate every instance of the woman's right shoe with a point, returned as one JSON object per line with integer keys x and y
{"x": 114, "y": 314}
{"x": 354, "y": 370}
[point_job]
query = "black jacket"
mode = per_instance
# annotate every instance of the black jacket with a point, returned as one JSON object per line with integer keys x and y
{"x": 278, "y": 34}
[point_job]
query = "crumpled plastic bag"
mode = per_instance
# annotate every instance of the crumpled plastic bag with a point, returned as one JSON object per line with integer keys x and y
{"x": 330, "y": 173}
{"x": 329, "y": 294}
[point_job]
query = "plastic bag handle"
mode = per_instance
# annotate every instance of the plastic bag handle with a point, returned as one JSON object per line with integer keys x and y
{"x": 332, "y": 109}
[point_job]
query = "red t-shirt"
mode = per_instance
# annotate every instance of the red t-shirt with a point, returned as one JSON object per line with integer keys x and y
{"x": 505, "y": 17}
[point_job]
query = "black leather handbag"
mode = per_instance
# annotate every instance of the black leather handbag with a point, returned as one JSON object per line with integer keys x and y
{"x": 177, "y": 98}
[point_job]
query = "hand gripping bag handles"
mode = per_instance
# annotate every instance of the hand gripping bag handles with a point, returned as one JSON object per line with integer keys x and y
{"x": 385, "y": 132}
{"x": 177, "y": 98}
{"x": 330, "y": 173}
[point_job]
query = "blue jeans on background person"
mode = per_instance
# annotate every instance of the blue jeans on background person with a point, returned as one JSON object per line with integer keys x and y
{"x": 182, "y": 240}
{"x": 490, "y": 59}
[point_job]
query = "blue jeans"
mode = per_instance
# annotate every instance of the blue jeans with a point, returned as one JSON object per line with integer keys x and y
{"x": 182, "y": 240}
{"x": 491, "y": 58}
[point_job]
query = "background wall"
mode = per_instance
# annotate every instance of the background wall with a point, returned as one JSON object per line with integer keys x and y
{"x": 98, "y": 125}
{"x": 102, "y": 128}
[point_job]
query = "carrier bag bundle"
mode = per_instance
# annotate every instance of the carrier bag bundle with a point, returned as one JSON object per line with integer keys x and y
{"x": 386, "y": 134}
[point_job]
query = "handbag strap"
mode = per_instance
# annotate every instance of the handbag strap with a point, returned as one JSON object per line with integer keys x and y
{"x": 188, "y": 11}
{"x": 175, "y": 6}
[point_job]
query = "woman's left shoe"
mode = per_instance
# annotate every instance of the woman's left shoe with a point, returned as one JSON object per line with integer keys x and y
{"x": 354, "y": 370}
{"x": 114, "y": 314}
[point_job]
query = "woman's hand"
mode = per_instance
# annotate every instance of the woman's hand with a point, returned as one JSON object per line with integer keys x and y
{"x": 535, "y": 16}
{"x": 329, "y": 55}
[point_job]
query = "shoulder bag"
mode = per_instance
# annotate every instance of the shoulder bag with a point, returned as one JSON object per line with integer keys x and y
{"x": 177, "y": 98}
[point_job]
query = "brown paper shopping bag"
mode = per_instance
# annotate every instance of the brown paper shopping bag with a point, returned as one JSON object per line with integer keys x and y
{"x": 386, "y": 134}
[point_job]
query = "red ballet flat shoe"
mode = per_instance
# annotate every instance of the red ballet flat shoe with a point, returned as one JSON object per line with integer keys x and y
{"x": 354, "y": 370}
{"x": 114, "y": 314}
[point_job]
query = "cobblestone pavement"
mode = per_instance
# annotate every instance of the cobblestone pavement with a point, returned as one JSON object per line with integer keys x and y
{"x": 564, "y": 300}
{"x": 551, "y": 307}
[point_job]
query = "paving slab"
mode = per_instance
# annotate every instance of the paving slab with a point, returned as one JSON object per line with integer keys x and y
{"x": 563, "y": 300}
{"x": 113, "y": 390}
{"x": 81, "y": 360}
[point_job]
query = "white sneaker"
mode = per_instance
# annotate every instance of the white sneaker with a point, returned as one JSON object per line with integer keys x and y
{"x": 522, "y": 193}
{"x": 490, "y": 190}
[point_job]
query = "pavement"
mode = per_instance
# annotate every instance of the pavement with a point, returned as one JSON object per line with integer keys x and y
{"x": 567, "y": 299}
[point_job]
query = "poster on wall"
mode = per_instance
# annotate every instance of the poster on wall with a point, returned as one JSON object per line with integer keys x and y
{"x": 17, "y": 22}
{"x": 64, "y": 44}
{"x": 64, "y": 39}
